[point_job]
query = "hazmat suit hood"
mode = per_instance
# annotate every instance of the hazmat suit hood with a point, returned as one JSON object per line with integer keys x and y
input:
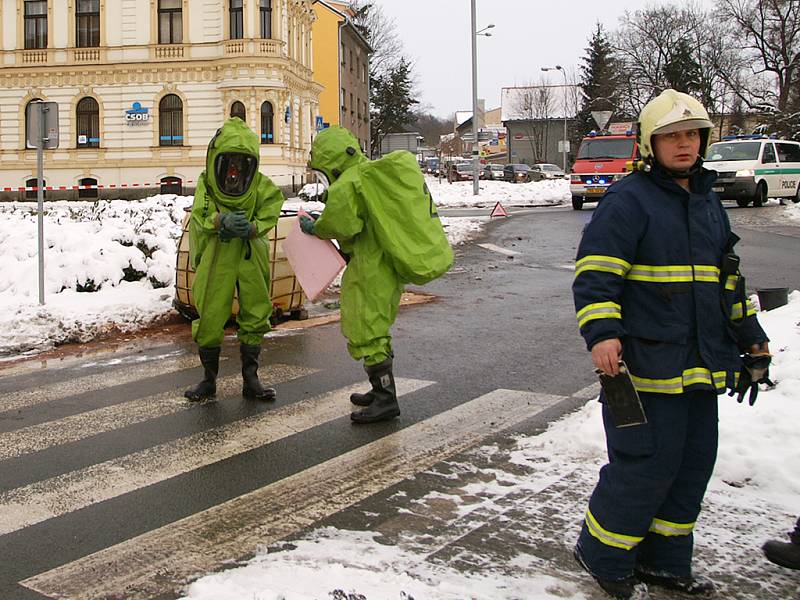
{"x": 232, "y": 166}
{"x": 334, "y": 151}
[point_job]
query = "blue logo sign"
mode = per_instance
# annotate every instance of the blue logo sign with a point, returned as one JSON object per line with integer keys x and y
{"x": 137, "y": 114}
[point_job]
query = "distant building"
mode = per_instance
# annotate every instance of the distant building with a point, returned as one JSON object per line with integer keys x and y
{"x": 143, "y": 86}
{"x": 343, "y": 72}
{"x": 411, "y": 141}
{"x": 534, "y": 119}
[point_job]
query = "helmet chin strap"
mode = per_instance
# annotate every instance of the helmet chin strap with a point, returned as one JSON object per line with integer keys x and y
{"x": 686, "y": 173}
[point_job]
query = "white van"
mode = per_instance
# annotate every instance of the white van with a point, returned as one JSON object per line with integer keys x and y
{"x": 755, "y": 168}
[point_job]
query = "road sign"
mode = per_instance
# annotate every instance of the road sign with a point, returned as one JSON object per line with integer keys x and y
{"x": 42, "y": 121}
{"x": 561, "y": 146}
{"x": 320, "y": 123}
{"x": 601, "y": 117}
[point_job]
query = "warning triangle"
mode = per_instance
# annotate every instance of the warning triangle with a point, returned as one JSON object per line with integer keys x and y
{"x": 498, "y": 211}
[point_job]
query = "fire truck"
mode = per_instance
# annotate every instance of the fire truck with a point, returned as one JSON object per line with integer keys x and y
{"x": 602, "y": 159}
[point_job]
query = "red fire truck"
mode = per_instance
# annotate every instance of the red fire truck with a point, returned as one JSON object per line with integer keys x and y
{"x": 602, "y": 159}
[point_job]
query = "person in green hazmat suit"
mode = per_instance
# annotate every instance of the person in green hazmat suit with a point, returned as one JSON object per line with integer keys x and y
{"x": 234, "y": 208}
{"x": 384, "y": 218}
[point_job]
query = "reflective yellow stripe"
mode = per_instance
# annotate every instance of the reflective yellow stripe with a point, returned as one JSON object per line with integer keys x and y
{"x": 676, "y": 385}
{"x": 671, "y": 529}
{"x": 674, "y": 273}
{"x": 607, "y": 264}
{"x": 617, "y": 540}
{"x": 731, "y": 282}
{"x": 599, "y": 310}
{"x": 736, "y": 310}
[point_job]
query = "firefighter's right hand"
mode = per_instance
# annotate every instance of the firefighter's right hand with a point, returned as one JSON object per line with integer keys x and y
{"x": 606, "y": 355}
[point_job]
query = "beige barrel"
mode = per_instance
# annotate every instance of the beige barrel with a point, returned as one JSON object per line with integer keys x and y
{"x": 286, "y": 293}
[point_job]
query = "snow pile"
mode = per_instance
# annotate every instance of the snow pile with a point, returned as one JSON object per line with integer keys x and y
{"x": 460, "y": 193}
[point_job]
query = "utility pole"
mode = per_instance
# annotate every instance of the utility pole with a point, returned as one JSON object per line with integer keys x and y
{"x": 564, "y": 142}
{"x": 475, "y": 124}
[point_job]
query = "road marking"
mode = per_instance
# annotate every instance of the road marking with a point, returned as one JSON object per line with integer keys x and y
{"x": 102, "y": 420}
{"x": 152, "y": 563}
{"x": 49, "y": 498}
{"x": 494, "y": 248}
{"x": 89, "y": 383}
{"x": 590, "y": 392}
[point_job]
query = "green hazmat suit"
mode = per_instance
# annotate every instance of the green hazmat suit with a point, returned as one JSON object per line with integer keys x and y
{"x": 225, "y": 266}
{"x": 383, "y": 216}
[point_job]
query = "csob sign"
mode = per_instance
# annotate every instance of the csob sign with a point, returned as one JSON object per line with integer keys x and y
{"x": 136, "y": 115}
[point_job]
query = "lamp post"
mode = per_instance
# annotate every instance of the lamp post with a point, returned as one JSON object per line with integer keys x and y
{"x": 564, "y": 142}
{"x": 475, "y": 147}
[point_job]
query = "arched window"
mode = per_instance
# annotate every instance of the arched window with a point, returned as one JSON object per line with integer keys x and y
{"x": 236, "y": 15}
{"x": 237, "y": 110}
{"x": 170, "y": 121}
{"x": 171, "y": 185}
{"x": 88, "y": 118}
{"x": 87, "y": 192}
{"x": 31, "y": 193}
{"x": 267, "y": 136}
{"x": 265, "y": 18}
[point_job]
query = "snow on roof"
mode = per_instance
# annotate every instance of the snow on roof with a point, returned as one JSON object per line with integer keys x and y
{"x": 462, "y": 116}
{"x": 539, "y": 102}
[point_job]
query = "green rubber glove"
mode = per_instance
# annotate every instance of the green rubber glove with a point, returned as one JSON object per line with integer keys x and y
{"x": 307, "y": 224}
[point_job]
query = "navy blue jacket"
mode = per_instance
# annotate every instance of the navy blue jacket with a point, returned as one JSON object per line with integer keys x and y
{"x": 648, "y": 272}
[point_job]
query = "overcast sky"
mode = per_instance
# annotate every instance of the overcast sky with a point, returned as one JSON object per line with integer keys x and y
{"x": 528, "y": 35}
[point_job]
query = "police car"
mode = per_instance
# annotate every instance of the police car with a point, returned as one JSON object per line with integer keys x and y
{"x": 755, "y": 168}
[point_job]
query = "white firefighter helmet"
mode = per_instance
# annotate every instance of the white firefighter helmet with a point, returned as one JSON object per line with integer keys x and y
{"x": 668, "y": 112}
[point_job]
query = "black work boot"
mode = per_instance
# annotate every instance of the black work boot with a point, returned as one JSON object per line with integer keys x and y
{"x": 785, "y": 554}
{"x": 209, "y": 358}
{"x": 628, "y": 588}
{"x": 251, "y": 386}
{"x": 384, "y": 405}
{"x": 689, "y": 585}
{"x": 362, "y": 399}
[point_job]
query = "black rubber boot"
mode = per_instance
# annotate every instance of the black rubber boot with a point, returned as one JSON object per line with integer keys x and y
{"x": 628, "y": 588}
{"x": 251, "y": 386}
{"x": 785, "y": 554}
{"x": 362, "y": 399}
{"x": 384, "y": 405}
{"x": 691, "y": 585}
{"x": 209, "y": 358}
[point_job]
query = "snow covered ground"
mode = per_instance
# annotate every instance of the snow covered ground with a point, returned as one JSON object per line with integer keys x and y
{"x": 754, "y": 495}
{"x": 110, "y": 265}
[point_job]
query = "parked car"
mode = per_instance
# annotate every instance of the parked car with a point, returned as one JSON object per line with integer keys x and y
{"x": 492, "y": 172}
{"x": 517, "y": 173}
{"x": 460, "y": 172}
{"x": 546, "y": 171}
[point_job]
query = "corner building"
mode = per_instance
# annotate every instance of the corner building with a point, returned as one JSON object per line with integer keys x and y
{"x": 143, "y": 85}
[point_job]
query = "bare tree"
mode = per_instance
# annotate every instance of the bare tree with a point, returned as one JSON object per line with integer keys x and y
{"x": 533, "y": 106}
{"x": 381, "y": 33}
{"x": 772, "y": 34}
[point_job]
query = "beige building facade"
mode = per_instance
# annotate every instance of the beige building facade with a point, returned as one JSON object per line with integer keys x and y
{"x": 143, "y": 85}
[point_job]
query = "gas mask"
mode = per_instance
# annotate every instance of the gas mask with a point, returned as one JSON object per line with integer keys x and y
{"x": 234, "y": 172}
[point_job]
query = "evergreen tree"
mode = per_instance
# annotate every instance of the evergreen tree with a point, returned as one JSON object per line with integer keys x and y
{"x": 599, "y": 80}
{"x": 392, "y": 104}
{"x": 682, "y": 71}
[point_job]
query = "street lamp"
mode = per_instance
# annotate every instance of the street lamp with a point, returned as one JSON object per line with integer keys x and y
{"x": 475, "y": 150}
{"x": 564, "y": 142}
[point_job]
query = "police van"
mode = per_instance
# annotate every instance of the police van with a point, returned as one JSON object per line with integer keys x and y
{"x": 754, "y": 168}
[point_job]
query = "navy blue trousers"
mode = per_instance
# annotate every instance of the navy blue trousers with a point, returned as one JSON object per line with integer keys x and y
{"x": 648, "y": 497}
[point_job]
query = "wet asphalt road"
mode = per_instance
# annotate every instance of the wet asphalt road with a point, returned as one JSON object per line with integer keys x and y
{"x": 499, "y": 322}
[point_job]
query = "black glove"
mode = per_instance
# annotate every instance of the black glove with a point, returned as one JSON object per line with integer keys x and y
{"x": 755, "y": 370}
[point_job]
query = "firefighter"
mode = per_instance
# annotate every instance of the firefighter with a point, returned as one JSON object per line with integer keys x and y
{"x": 657, "y": 284}
{"x": 234, "y": 208}
{"x": 384, "y": 218}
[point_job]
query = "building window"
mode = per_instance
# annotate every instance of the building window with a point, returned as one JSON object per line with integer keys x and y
{"x": 344, "y": 98}
{"x": 87, "y": 24}
{"x": 88, "y": 129}
{"x": 87, "y": 192}
{"x": 265, "y": 18}
{"x": 171, "y": 185}
{"x": 364, "y": 73}
{"x": 30, "y": 194}
{"x": 237, "y": 19}
{"x": 267, "y": 118}
{"x": 170, "y": 22}
{"x": 352, "y": 106}
{"x": 344, "y": 50}
{"x": 35, "y": 24}
{"x": 170, "y": 121}
{"x": 237, "y": 110}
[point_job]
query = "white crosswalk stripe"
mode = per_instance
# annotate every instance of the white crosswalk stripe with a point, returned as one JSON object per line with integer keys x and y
{"x": 144, "y": 566}
{"x": 102, "y": 420}
{"x": 42, "y": 500}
